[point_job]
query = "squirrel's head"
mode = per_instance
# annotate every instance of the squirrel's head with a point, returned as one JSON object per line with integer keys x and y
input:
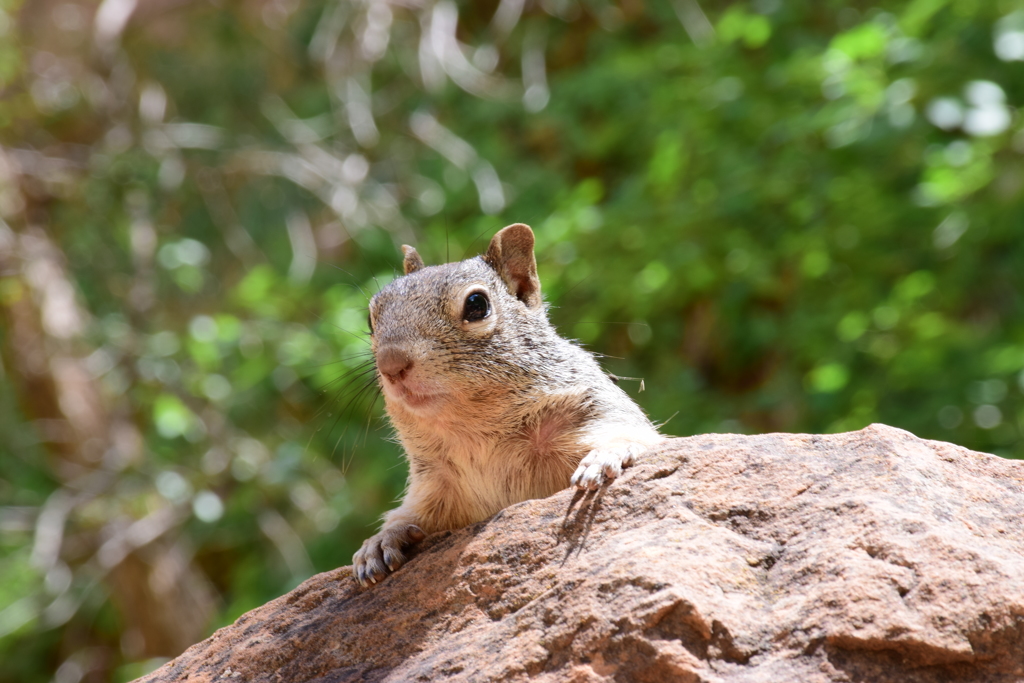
{"x": 442, "y": 334}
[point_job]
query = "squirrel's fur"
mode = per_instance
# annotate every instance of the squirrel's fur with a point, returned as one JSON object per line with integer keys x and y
{"x": 490, "y": 411}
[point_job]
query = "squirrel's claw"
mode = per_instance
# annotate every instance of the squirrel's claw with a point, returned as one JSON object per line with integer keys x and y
{"x": 382, "y": 553}
{"x": 602, "y": 465}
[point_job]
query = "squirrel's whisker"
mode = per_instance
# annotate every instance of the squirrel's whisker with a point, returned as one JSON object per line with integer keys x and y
{"x": 357, "y": 371}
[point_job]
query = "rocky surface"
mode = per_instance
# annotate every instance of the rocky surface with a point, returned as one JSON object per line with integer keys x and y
{"x": 869, "y": 556}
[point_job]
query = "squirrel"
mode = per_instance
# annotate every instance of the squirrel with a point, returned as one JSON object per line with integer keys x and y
{"x": 491, "y": 405}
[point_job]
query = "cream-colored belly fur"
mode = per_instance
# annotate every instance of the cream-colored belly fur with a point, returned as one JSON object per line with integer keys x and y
{"x": 465, "y": 470}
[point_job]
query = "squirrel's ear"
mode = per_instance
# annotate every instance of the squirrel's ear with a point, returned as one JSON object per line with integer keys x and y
{"x": 413, "y": 261}
{"x": 511, "y": 255}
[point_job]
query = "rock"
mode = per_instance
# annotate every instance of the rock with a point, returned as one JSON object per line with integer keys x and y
{"x": 868, "y": 556}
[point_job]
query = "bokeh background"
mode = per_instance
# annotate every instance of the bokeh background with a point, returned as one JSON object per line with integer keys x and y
{"x": 782, "y": 216}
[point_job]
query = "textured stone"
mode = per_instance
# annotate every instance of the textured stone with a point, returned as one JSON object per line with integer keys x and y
{"x": 869, "y": 556}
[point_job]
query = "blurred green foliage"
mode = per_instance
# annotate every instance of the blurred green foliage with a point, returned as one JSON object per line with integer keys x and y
{"x": 801, "y": 216}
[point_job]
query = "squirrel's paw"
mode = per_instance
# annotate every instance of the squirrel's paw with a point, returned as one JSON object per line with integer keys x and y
{"x": 601, "y": 465}
{"x": 382, "y": 552}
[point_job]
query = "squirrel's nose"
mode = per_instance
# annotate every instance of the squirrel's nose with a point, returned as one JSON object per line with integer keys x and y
{"x": 393, "y": 362}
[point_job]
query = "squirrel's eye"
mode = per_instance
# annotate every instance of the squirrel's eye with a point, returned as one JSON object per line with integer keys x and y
{"x": 477, "y": 307}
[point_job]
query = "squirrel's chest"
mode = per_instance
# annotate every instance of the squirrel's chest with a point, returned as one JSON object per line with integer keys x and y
{"x": 511, "y": 471}
{"x": 531, "y": 456}
{"x": 467, "y": 471}
{"x": 534, "y": 431}
{"x": 534, "y": 443}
